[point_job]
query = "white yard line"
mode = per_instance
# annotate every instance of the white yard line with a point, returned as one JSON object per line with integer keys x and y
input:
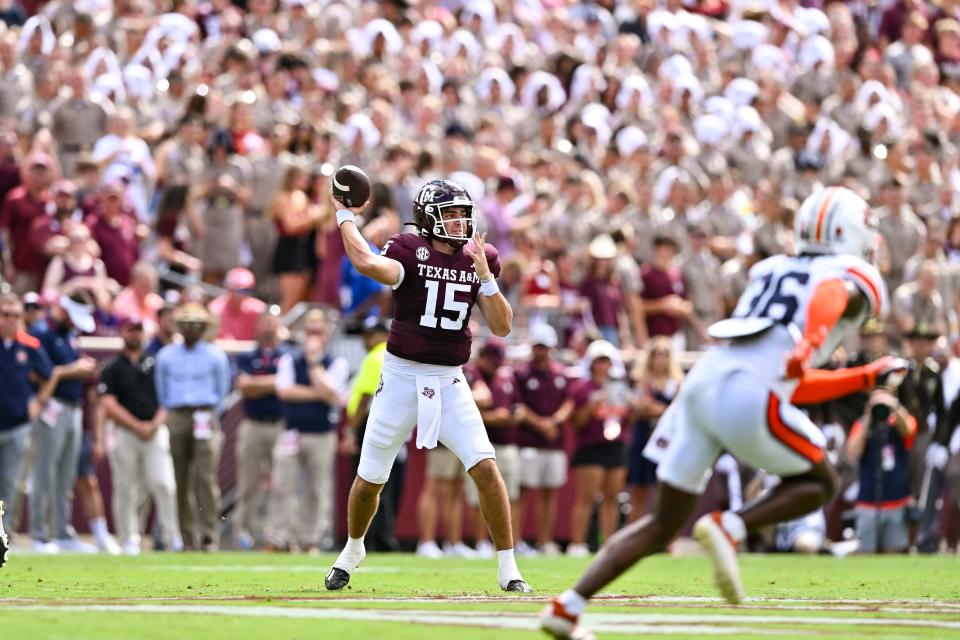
{"x": 527, "y": 622}
{"x": 606, "y": 622}
{"x": 264, "y": 568}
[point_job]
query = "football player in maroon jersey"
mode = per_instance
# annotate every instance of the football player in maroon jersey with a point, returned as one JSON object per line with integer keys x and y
{"x": 437, "y": 275}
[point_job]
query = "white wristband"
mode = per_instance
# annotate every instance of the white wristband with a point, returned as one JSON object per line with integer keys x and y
{"x": 489, "y": 287}
{"x": 343, "y": 216}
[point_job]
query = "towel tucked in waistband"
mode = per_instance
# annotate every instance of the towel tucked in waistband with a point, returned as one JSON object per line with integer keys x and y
{"x": 428, "y": 411}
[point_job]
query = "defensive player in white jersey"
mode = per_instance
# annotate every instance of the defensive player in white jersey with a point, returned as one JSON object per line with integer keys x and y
{"x": 738, "y": 397}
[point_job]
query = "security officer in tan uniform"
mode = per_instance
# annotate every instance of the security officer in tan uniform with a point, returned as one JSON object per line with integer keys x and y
{"x": 702, "y": 271}
{"x": 78, "y": 122}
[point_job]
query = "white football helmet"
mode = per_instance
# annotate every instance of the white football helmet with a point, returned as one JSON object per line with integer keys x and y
{"x": 836, "y": 221}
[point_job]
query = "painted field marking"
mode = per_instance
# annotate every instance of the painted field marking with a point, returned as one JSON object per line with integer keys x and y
{"x": 609, "y": 622}
{"x": 263, "y": 568}
{"x": 527, "y": 622}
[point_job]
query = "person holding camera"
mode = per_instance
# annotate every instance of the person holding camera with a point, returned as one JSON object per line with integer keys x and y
{"x": 882, "y": 440}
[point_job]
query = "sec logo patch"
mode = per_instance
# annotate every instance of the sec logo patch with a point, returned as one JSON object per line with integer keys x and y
{"x": 21, "y": 357}
{"x": 423, "y": 254}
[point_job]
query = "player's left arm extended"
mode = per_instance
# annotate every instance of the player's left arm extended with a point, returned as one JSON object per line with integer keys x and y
{"x": 832, "y": 300}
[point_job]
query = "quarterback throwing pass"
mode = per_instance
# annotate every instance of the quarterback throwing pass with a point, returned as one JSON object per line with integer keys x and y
{"x": 437, "y": 276}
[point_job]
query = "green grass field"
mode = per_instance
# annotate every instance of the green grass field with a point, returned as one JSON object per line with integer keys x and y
{"x": 231, "y": 596}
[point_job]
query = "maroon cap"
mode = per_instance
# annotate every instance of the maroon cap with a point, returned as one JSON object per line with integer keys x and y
{"x": 131, "y": 322}
{"x": 495, "y": 349}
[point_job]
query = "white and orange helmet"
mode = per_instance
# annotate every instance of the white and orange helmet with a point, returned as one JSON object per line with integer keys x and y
{"x": 836, "y": 221}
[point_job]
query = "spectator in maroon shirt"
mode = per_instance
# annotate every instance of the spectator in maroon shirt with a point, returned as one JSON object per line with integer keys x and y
{"x": 23, "y": 266}
{"x": 601, "y": 287}
{"x": 545, "y": 407}
{"x": 48, "y": 233}
{"x": 115, "y": 229}
{"x": 948, "y": 51}
{"x": 664, "y": 291}
{"x": 891, "y": 25}
{"x": 602, "y": 409}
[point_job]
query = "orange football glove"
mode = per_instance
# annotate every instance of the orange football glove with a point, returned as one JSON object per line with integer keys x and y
{"x": 797, "y": 361}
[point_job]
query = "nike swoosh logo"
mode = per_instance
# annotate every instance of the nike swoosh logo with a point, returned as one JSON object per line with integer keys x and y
{"x": 342, "y": 187}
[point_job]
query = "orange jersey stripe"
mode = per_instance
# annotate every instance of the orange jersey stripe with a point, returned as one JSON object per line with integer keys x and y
{"x": 822, "y": 213}
{"x": 787, "y": 436}
{"x": 870, "y": 286}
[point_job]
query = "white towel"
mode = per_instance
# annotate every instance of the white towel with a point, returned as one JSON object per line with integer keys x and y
{"x": 428, "y": 411}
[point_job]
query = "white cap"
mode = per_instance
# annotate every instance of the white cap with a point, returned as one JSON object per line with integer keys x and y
{"x": 81, "y": 315}
{"x": 748, "y": 34}
{"x": 696, "y": 23}
{"x": 635, "y": 83}
{"x": 556, "y": 96}
{"x": 430, "y": 31}
{"x": 629, "y": 139}
{"x": 877, "y": 113}
{"x": 585, "y": 77}
{"x": 664, "y": 184}
{"x": 870, "y": 89}
{"x": 325, "y": 79}
{"x": 813, "y": 20}
{"x": 597, "y": 117}
{"x": 674, "y": 66}
{"x": 463, "y": 39}
{"x": 741, "y": 91}
{"x": 661, "y": 19}
{"x": 139, "y": 80}
{"x": 501, "y": 77}
{"x": 746, "y": 120}
{"x": 768, "y": 57}
{"x": 601, "y": 349}
{"x": 543, "y": 334}
{"x": 482, "y": 9}
{"x": 266, "y": 41}
{"x": 720, "y": 106}
{"x": 685, "y": 83}
{"x": 816, "y": 50}
{"x": 393, "y": 43}
{"x": 710, "y": 129}
{"x": 602, "y": 247}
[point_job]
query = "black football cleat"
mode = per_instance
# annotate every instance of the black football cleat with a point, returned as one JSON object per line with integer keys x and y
{"x": 337, "y": 579}
{"x": 4, "y": 542}
{"x": 518, "y": 586}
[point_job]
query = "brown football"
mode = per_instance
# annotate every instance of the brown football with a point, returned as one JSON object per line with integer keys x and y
{"x": 350, "y": 186}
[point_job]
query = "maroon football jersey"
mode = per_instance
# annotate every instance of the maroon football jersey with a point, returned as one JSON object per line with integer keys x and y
{"x": 432, "y": 305}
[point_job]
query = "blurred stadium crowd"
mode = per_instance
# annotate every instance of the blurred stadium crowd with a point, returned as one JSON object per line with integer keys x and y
{"x": 164, "y": 170}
